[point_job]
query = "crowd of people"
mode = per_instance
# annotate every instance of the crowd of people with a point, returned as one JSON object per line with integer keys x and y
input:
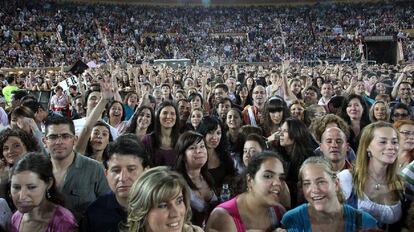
{"x": 131, "y": 146}
{"x": 240, "y": 147}
{"x": 52, "y": 34}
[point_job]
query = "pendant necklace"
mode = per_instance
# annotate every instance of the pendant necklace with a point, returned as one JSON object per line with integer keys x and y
{"x": 377, "y": 185}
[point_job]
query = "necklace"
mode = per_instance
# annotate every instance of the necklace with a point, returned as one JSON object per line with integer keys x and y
{"x": 378, "y": 183}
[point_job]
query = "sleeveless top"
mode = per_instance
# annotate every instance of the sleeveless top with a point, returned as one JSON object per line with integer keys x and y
{"x": 232, "y": 209}
{"x": 385, "y": 214}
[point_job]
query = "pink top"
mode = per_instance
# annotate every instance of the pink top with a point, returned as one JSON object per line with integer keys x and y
{"x": 231, "y": 207}
{"x": 59, "y": 101}
{"x": 62, "y": 221}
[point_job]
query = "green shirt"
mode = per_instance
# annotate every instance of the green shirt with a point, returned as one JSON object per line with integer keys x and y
{"x": 84, "y": 182}
{"x": 7, "y": 91}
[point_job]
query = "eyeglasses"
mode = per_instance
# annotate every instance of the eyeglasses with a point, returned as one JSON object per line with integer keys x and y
{"x": 397, "y": 115}
{"x": 55, "y": 137}
{"x": 407, "y": 133}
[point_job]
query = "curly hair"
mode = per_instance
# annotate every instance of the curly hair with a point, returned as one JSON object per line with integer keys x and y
{"x": 27, "y": 139}
{"x": 317, "y": 127}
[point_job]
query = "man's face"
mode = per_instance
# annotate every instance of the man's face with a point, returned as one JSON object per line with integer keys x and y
{"x": 183, "y": 109}
{"x": 223, "y": 109}
{"x": 311, "y": 97}
{"x": 404, "y": 91}
{"x": 400, "y": 114}
{"x": 326, "y": 90}
{"x": 259, "y": 95}
{"x": 338, "y": 90}
{"x": 123, "y": 170}
{"x": 59, "y": 141}
{"x": 93, "y": 100}
{"x": 334, "y": 145}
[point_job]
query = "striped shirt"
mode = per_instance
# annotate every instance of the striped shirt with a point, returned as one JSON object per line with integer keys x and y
{"x": 408, "y": 176}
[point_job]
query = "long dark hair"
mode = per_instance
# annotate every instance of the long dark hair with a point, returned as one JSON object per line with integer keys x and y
{"x": 42, "y": 166}
{"x": 133, "y": 125}
{"x": 207, "y": 125}
{"x": 365, "y": 114}
{"x": 108, "y": 108}
{"x": 274, "y": 104}
{"x": 89, "y": 150}
{"x": 187, "y": 139}
{"x": 256, "y": 162}
{"x": 303, "y": 145}
{"x": 249, "y": 99}
{"x": 156, "y": 135}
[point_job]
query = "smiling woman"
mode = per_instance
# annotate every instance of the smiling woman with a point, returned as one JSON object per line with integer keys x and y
{"x": 14, "y": 143}
{"x": 355, "y": 112}
{"x": 258, "y": 207}
{"x": 325, "y": 210}
{"x": 374, "y": 175}
{"x": 160, "y": 143}
{"x": 116, "y": 115}
{"x": 159, "y": 201}
{"x": 142, "y": 122}
{"x": 219, "y": 162}
{"x": 192, "y": 164}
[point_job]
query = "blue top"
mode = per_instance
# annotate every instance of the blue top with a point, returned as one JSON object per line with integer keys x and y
{"x": 297, "y": 219}
{"x": 128, "y": 112}
{"x": 103, "y": 215}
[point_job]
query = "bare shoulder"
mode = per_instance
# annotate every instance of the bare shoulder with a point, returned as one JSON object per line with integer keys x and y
{"x": 220, "y": 220}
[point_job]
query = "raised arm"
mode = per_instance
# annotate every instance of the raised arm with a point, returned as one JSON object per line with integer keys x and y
{"x": 106, "y": 95}
{"x": 288, "y": 95}
{"x": 397, "y": 84}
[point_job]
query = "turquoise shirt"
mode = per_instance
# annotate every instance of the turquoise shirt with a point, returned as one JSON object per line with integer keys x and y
{"x": 297, "y": 219}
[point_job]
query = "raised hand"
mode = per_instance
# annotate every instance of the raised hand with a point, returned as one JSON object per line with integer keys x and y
{"x": 285, "y": 65}
{"x": 107, "y": 89}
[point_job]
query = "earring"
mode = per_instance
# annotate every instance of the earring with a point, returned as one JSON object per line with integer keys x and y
{"x": 369, "y": 154}
{"x": 48, "y": 194}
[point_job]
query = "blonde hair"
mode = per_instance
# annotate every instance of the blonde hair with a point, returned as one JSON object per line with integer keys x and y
{"x": 360, "y": 169}
{"x": 154, "y": 186}
{"x": 371, "y": 111}
{"x": 327, "y": 167}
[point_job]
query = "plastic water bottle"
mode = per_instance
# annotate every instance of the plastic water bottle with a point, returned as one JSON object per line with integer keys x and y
{"x": 225, "y": 193}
